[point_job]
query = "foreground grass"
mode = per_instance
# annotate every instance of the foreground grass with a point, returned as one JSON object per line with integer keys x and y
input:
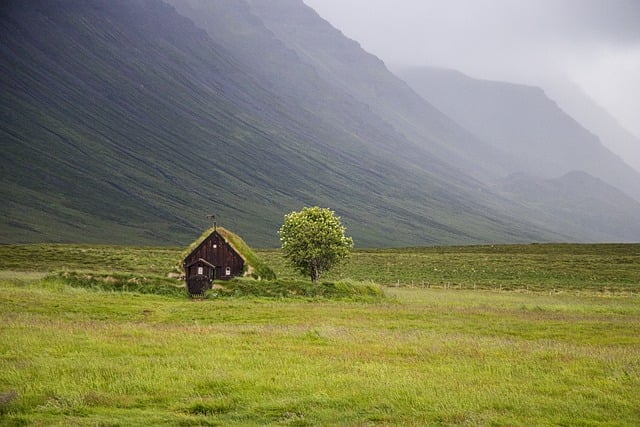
{"x": 451, "y": 350}
{"x": 72, "y": 356}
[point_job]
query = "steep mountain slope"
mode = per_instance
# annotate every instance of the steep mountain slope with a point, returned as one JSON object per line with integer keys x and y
{"x": 524, "y": 122}
{"x": 123, "y": 122}
{"x": 107, "y": 110}
{"x": 365, "y": 77}
{"x": 341, "y": 62}
{"x": 243, "y": 29}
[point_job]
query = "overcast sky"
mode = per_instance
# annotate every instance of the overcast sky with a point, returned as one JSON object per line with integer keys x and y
{"x": 594, "y": 43}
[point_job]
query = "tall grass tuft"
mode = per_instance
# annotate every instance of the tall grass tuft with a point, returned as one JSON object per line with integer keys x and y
{"x": 238, "y": 287}
{"x": 280, "y": 288}
{"x": 118, "y": 282}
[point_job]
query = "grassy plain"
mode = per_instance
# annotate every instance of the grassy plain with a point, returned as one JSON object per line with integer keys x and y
{"x": 439, "y": 355}
{"x": 535, "y": 267}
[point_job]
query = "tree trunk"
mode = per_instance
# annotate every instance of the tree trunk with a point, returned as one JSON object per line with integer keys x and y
{"x": 315, "y": 273}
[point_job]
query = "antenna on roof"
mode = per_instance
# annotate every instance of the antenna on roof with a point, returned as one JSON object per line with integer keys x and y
{"x": 213, "y": 217}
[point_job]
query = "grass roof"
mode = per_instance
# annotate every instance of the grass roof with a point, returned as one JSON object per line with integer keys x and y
{"x": 253, "y": 264}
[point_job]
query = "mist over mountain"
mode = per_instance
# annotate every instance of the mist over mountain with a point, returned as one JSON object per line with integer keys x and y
{"x": 524, "y": 122}
{"x": 129, "y": 121}
{"x": 572, "y": 99}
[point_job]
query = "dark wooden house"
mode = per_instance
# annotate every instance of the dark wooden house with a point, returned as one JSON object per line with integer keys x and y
{"x": 219, "y": 254}
{"x": 214, "y": 257}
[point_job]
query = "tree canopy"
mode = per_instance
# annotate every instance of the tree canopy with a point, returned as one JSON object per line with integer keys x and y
{"x": 313, "y": 240}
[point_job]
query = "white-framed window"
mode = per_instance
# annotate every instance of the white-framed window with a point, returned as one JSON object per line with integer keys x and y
{"x": 227, "y": 271}
{"x": 200, "y": 270}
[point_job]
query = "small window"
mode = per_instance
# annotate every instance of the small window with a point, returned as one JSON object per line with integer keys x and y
{"x": 215, "y": 246}
{"x": 228, "y": 271}
{"x": 200, "y": 270}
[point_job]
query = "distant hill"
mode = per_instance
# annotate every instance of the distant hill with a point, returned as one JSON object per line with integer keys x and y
{"x": 129, "y": 121}
{"x": 524, "y": 122}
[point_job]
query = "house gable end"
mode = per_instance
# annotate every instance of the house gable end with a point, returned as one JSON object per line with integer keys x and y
{"x": 222, "y": 260}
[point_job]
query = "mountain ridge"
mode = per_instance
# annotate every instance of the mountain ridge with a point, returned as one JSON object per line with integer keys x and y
{"x": 523, "y": 121}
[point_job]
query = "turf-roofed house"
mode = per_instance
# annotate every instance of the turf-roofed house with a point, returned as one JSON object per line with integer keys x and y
{"x": 219, "y": 254}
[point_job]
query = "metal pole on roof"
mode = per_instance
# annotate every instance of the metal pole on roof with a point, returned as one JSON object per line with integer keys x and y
{"x": 213, "y": 217}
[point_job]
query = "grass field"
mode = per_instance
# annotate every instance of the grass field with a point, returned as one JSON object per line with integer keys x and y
{"x": 543, "y": 351}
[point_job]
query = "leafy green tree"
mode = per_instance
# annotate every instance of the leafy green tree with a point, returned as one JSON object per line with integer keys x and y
{"x": 313, "y": 240}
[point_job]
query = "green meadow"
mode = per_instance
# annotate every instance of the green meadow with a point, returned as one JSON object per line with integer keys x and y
{"x": 484, "y": 335}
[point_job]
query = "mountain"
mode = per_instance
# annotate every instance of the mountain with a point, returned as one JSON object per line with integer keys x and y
{"x": 524, "y": 122}
{"x": 305, "y": 57}
{"x": 124, "y": 122}
{"x": 343, "y": 62}
{"x": 129, "y": 121}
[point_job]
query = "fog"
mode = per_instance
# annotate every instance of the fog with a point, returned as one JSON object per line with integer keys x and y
{"x": 592, "y": 43}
